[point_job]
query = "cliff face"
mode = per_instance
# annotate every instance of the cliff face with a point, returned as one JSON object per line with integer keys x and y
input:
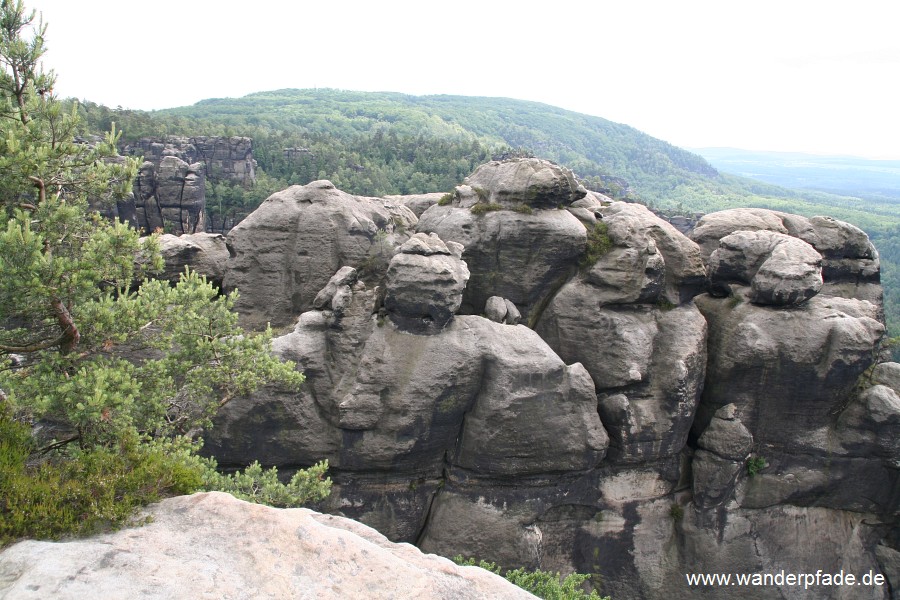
{"x": 673, "y": 406}
{"x": 170, "y": 189}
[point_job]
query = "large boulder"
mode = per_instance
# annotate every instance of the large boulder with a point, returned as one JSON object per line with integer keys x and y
{"x": 213, "y": 546}
{"x": 285, "y": 252}
{"x": 850, "y": 264}
{"x": 426, "y": 279}
{"x": 533, "y": 182}
{"x": 203, "y": 253}
{"x": 781, "y": 270}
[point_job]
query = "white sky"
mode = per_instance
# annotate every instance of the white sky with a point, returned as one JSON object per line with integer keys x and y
{"x": 817, "y": 76}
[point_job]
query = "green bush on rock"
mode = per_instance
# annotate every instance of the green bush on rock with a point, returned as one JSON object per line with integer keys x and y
{"x": 550, "y": 586}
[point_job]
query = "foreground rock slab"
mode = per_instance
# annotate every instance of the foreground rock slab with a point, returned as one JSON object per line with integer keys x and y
{"x": 211, "y": 545}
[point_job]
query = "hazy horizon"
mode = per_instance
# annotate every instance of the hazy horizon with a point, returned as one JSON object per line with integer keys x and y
{"x": 799, "y": 77}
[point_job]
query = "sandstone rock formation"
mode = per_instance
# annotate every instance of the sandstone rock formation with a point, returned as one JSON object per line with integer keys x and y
{"x": 650, "y": 421}
{"x": 288, "y": 249}
{"x": 213, "y": 546}
{"x": 170, "y": 196}
{"x": 170, "y": 189}
{"x": 224, "y": 158}
{"x": 525, "y": 245}
{"x": 204, "y": 253}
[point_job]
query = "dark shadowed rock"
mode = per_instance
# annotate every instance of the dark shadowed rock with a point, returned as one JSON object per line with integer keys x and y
{"x": 517, "y": 256}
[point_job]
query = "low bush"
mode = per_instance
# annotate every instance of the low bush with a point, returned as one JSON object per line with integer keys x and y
{"x": 543, "y": 584}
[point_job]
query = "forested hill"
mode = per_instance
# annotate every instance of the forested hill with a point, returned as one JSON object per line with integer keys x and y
{"x": 390, "y": 143}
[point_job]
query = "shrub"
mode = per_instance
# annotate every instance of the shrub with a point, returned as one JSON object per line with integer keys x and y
{"x": 755, "y": 465}
{"x": 88, "y": 491}
{"x": 446, "y": 199}
{"x": 255, "y": 484}
{"x": 543, "y": 584}
{"x": 523, "y": 208}
{"x": 598, "y": 244}
{"x": 484, "y": 207}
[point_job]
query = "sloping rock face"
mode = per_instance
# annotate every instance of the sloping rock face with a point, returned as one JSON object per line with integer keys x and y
{"x": 213, "y": 546}
{"x": 288, "y": 249}
{"x": 672, "y": 407}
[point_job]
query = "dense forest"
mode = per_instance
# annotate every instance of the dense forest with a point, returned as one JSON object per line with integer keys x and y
{"x": 387, "y": 143}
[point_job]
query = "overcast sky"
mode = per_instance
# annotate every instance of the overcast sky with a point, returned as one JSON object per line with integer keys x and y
{"x": 789, "y": 75}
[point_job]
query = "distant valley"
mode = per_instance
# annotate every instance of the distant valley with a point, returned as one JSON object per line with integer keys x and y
{"x": 876, "y": 179}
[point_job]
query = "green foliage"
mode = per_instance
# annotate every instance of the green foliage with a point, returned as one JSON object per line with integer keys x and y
{"x": 550, "y": 586}
{"x": 598, "y": 244}
{"x": 122, "y": 378}
{"x": 523, "y": 209}
{"x": 87, "y": 491}
{"x": 262, "y": 486}
{"x": 676, "y": 511}
{"x": 755, "y": 465}
{"x": 446, "y": 199}
{"x": 484, "y": 207}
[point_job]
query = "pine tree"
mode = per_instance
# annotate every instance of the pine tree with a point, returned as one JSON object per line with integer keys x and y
{"x": 104, "y": 383}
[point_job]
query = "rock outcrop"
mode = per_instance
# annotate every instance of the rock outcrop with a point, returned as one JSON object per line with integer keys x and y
{"x": 672, "y": 406}
{"x": 288, "y": 248}
{"x": 213, "y": 546}
{"x": 170, "y": 189}
{"x": 204, "y": 253}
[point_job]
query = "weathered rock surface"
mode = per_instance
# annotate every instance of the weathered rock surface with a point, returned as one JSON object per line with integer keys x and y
{"x": 286, "y": 251}
{"x": 418, "y": 203}
{"x": 520, "y": 257}
{"x": 426, "y": 279}
{"x": 614, "y": 438}
{"x": 170, "y": 196}
{"x": 530, "y": 181}
{"x": 781, "y": 270}
{"x": 213, "y": 546}
{"x": 850, "y": 265}
{"x": 224, "y": 158}
{"x": 204, "y": 253}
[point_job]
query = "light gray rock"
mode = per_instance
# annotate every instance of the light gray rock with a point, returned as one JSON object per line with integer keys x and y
{"x": 204, "y": 253}
{"x": 726, "y": 435}
{"x": 417, "y": 203}
{"x": 635, "y": 226}
{"x": 344, "y": 278}
{"x": 781, "y": 270}
{"x": 850, "y": 264}
{"x": 888, "y": 374}
{"x": 285, "y": 252}
{"x": 213, "y": 546}
{"x": 531, "y": 181}
{"x": 495, "y": 309}
{"x": 513, "y": 316}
